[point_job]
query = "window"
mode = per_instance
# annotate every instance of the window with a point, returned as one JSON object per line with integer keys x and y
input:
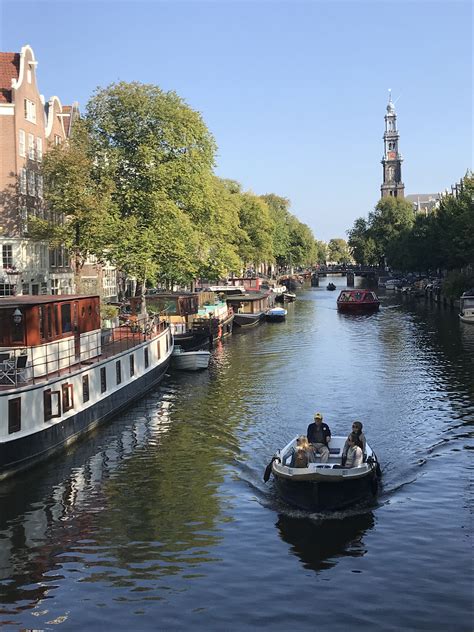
{"x": 66, "y": 318}
{"x": 30, "y": 111}
{"x": 68, "y": 396}
{"x": 103, "y": 380}
{"x": 14, "y": 415}
{"x": 132, "y": 365}
{"x": 31, "y": 182}
{"x": 52, "y": 404}
{"x": 39, "y": 149}
{"x": 57, "y": 139}
{"x": 31, "y": 147}
{"x": 158, "y": 349}
{"x": 85, "y": 388}
{"x": 41, "y": 321}
{"x": 23, "y": 181}
{"x": 7, "y": 256}
{"x": 6, "y": 289}
{"x": 147, "y": 359}
{"x": 25, "y": 288}
{"x": 118, "y": 371}
{"x": 22, "y": 143}
{"x": 167, "y": 342}
{"x": 39, "y": 185}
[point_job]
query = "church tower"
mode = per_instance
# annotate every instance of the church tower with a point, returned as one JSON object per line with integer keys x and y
{"x": 392, "y": 160}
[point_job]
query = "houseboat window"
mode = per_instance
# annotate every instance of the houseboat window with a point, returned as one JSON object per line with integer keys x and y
{"x": 66, "y": 318}
{"x": 50, "y": 321}
{"x": 118, "y": 371}
{"x": 147, "y": 359}
{"x": 103, "y": 380}
{"x": 167, "y": 342}
{"x": 41, "y": 322}
{"x": 14, "y": 415}
{"x": 52, "y": 404}
{"x": 158, "y": 349}
{"x": 85, "y": 388}
{"x": 56, "y": 319}
{"x": 132, "y": 365}
{"x": 18, "y": 331}
{"x": 68, "y": 396}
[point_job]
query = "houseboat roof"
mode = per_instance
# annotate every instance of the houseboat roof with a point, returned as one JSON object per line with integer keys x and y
{"x": 14, "y": 301}
{"x": 251, "y": 296}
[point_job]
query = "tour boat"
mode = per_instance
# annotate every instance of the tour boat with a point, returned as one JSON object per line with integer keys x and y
{"x": 466, "y": 305}
{"x": 357, "y": 301}
{"x": 276, "y": 314}
{"x": 325, "y": 486}
{"x": 197, "y": 319}
{"x": 189, "y": 360}
{"x": 61, "y": 374}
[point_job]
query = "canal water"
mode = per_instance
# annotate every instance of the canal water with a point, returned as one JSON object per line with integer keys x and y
{"x": 161, "y": 519}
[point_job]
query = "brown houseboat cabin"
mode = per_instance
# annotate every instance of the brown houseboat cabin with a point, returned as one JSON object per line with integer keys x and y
{"x": 28, "y": 321}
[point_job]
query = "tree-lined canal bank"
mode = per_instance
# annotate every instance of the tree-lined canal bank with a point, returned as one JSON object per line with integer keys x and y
{"x": 161, "y": 519}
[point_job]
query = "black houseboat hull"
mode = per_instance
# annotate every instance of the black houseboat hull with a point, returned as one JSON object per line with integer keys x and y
{"x": 247, "y": 321}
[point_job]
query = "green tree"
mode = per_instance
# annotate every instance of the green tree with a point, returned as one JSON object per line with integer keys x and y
{"x": 339, "y": 251}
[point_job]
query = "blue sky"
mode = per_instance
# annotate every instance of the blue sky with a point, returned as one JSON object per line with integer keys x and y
{"x": 293, "y": 92}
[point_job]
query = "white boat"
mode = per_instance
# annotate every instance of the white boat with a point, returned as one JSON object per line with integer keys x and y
{"x": 323, "y": 486}
{"x": 276, "y": 314}
{"x": 466, "y": 305}
{"x": 61, "y": 374}
{"x": 190, "y": 360}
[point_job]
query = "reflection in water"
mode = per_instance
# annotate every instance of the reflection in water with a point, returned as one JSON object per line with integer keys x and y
{"x": 318, "y": 544}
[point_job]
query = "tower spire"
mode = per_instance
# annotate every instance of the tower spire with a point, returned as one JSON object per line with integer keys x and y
{"x": 392, "y": 184}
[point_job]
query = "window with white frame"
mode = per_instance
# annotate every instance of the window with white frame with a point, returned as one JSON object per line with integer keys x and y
{"x": 57, "y": 139}
{"x": 7, "y": 289}
{"x": 7, "y": 256}
{"x": 43, "y": 256}
{"x": 54, "y": 286}
{"x": 30, "y": 111}
{"x": 22, "y": 142}
{"x": 39, "y": 185}
{"x": 31, "y": 183}
{"x": 39, "y": 149}
{"x": 31, "y": 147}
{"x": 23, "y": 181}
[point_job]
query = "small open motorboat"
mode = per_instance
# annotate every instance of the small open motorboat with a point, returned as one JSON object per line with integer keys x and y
{"x": 324, "y": 486}
{"x": 357, "y": 301}
{"x": 330, "y": 287}
{"x": 189, "y": 360}
{"x": 466, "y": 305}
{"x": 276, "y": 314}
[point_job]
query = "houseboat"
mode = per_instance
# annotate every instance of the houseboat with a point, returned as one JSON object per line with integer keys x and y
{"x": 197, "y": 319}
{"x": 61, "y": 374}
{"x": 466, "y": 305}
{"x": 356, "y": 301}
{"x": 250, "y": 308}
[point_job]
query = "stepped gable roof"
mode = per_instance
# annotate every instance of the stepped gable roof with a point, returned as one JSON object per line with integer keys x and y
{"x": 9, "y": 69}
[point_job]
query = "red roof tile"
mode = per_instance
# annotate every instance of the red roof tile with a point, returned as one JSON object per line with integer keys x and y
{"x": 9, "y": 69}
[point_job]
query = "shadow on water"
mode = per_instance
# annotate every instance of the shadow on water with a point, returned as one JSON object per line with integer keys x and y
{"x": 320, "y": 542}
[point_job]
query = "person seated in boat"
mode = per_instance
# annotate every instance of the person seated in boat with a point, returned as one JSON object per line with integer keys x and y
{"x": 355, "y": 456}
{"x": 319, "y": 436}
{"x": 357, "y": 429}
{"x": 302, "y": 453}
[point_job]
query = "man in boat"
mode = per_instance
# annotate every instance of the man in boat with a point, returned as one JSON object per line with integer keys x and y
{"x": 319, "y": 436}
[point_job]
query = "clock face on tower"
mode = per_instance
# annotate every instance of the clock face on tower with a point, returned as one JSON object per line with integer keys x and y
{"x": 391, "y": 155}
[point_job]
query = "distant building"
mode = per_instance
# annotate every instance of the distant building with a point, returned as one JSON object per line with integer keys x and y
{"x": 392, "y": 185}
{"x": 424, "y": 203}
{"x": 28, "y": 127}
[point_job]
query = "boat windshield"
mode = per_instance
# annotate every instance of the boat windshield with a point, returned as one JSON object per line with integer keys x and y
{"x": 468, "y": 302}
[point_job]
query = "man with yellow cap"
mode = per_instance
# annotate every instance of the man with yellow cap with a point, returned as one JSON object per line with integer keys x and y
{"x": 319, "y": 436}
